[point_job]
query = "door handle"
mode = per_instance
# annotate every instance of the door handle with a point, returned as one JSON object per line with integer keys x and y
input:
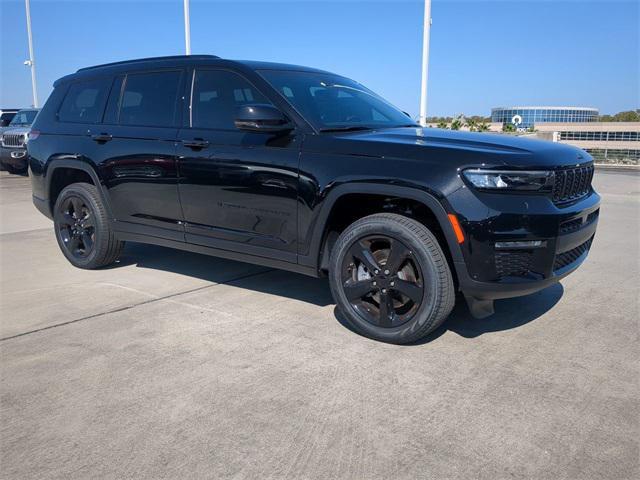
{"x": 101, "y": 137}
{"x": 196, "y": 143}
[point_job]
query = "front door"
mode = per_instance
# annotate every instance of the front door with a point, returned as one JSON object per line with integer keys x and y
{"x": 238, "y": 189}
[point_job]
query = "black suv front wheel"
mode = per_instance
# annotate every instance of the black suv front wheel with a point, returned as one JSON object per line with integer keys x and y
{"x": 82, "y": 228}
{"x": 390, "y": 278}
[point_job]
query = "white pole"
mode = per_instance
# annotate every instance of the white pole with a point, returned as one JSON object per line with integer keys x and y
{"x": 187, "y": 28}
{"x": 425, "y": 61}
{"x": 31, "y": 62}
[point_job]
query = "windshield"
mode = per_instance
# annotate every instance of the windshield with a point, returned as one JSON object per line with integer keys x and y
{"x": 24, "y": 117}
{"x": 5, "y": 118}
{"x": 330, "y": 102}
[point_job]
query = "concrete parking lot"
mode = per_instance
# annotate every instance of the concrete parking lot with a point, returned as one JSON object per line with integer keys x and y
{"x": 176, "y": 365}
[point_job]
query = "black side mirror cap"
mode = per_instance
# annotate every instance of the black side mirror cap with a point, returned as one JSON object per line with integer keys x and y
{"x": 261, "y": 118}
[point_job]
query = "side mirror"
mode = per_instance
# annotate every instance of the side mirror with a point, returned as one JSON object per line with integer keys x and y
{"x": 261, "y": 118}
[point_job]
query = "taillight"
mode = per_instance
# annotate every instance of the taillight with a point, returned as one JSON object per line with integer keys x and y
{"x": 33, "y": 134}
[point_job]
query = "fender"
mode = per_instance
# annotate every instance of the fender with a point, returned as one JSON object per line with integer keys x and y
{"x": 75, "y": 162}
{"x": 419, "y": 195}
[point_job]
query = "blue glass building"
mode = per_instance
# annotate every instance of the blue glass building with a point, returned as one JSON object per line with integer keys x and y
{"x": 525, "y": 117}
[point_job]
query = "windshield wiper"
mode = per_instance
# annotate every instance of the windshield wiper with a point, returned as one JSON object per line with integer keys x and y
{"x": 346, "y": 128}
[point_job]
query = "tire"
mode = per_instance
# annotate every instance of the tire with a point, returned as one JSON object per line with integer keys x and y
{"x": 400, "y": 304}
{"x": 82, "y": 228}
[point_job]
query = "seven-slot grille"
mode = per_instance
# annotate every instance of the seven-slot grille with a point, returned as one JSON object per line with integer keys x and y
{"x": 572, "y": 183}
{"x": 13, "y": 140}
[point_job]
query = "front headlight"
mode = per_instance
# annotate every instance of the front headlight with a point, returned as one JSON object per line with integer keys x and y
{"x": 539, "y": 180}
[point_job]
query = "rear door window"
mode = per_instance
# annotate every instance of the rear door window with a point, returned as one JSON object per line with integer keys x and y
{"x": 150, "y": 99}
{"x": 84, "y": 101}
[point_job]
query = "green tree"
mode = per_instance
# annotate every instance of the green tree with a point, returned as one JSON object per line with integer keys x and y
{"x": 456, "y": 124}
{"x": 627, "y": 116}
{"x": 483, "y": 127}
{"x": 508, "y": 127}
{"x": 443, "y": 124}
{"x": 472, "y": 124}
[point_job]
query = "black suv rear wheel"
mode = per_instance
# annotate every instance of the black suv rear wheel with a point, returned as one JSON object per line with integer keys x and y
{"x": 391, "y": 279}
{"x": 82, "y": 228}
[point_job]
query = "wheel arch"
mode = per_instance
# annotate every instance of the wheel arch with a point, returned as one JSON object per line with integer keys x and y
{"x": 321, "y": 231}
{"x": 64, "y": 172}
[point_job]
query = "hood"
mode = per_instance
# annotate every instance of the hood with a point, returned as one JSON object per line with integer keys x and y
{"x": 464, "y": 148}
{"x": 18, "y": 130}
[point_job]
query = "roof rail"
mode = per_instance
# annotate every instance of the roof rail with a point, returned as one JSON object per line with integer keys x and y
{"x": 150, "y": 59}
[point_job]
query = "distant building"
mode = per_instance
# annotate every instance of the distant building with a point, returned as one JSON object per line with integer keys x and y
{"x": 607, "y": 142}
{"x": 526, "y": 117}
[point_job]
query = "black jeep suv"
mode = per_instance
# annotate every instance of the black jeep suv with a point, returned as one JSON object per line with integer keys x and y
{"x": 305, "y": 170}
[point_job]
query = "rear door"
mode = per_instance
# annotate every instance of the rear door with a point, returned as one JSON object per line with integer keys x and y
{"x": 136, "y": 148}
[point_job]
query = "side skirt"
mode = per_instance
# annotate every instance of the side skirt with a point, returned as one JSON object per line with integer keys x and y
{"x": 216, "y": 252}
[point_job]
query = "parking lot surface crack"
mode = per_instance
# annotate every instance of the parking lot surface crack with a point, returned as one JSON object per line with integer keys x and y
{"x": 138, "y": 304}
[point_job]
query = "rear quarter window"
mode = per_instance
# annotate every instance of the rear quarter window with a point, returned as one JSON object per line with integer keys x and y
{"x": 84, "y": 101}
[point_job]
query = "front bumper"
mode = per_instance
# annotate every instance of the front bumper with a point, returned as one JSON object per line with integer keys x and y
{"x": 14, "y": 157}
{"x": 487, "y": 273}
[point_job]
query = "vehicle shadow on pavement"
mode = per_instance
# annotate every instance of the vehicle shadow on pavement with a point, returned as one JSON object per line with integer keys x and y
{"x": 221, "y": 271}
{"x": 509, "y": 313}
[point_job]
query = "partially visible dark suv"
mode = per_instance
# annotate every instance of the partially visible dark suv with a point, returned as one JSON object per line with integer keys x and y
{"x": 308, "y": 171}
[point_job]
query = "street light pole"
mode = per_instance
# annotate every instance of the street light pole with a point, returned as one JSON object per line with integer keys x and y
{"x": 425, "y": 62}
{"x": 31, "y": 62}
{"x": 187, "y": 28}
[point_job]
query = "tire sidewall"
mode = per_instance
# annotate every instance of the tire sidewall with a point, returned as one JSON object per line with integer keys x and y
{"x": 428, "y": 309}
{"x": 100, "y": 240}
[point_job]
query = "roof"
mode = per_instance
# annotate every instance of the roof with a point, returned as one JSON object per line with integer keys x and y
{"x": 589, "y": 126}
{"x": 258, "y": 65}
{"x": 151, "y": 59}
{"x": 181, "y": 60}
{"x": 534, "y": 107}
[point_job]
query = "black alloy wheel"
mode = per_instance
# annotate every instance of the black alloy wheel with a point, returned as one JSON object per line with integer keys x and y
{"x": 83, "y": 229}
{"x": 77, "y": 227}
{"x": 390, "y": 278}
{"x": 382, "y": 281}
